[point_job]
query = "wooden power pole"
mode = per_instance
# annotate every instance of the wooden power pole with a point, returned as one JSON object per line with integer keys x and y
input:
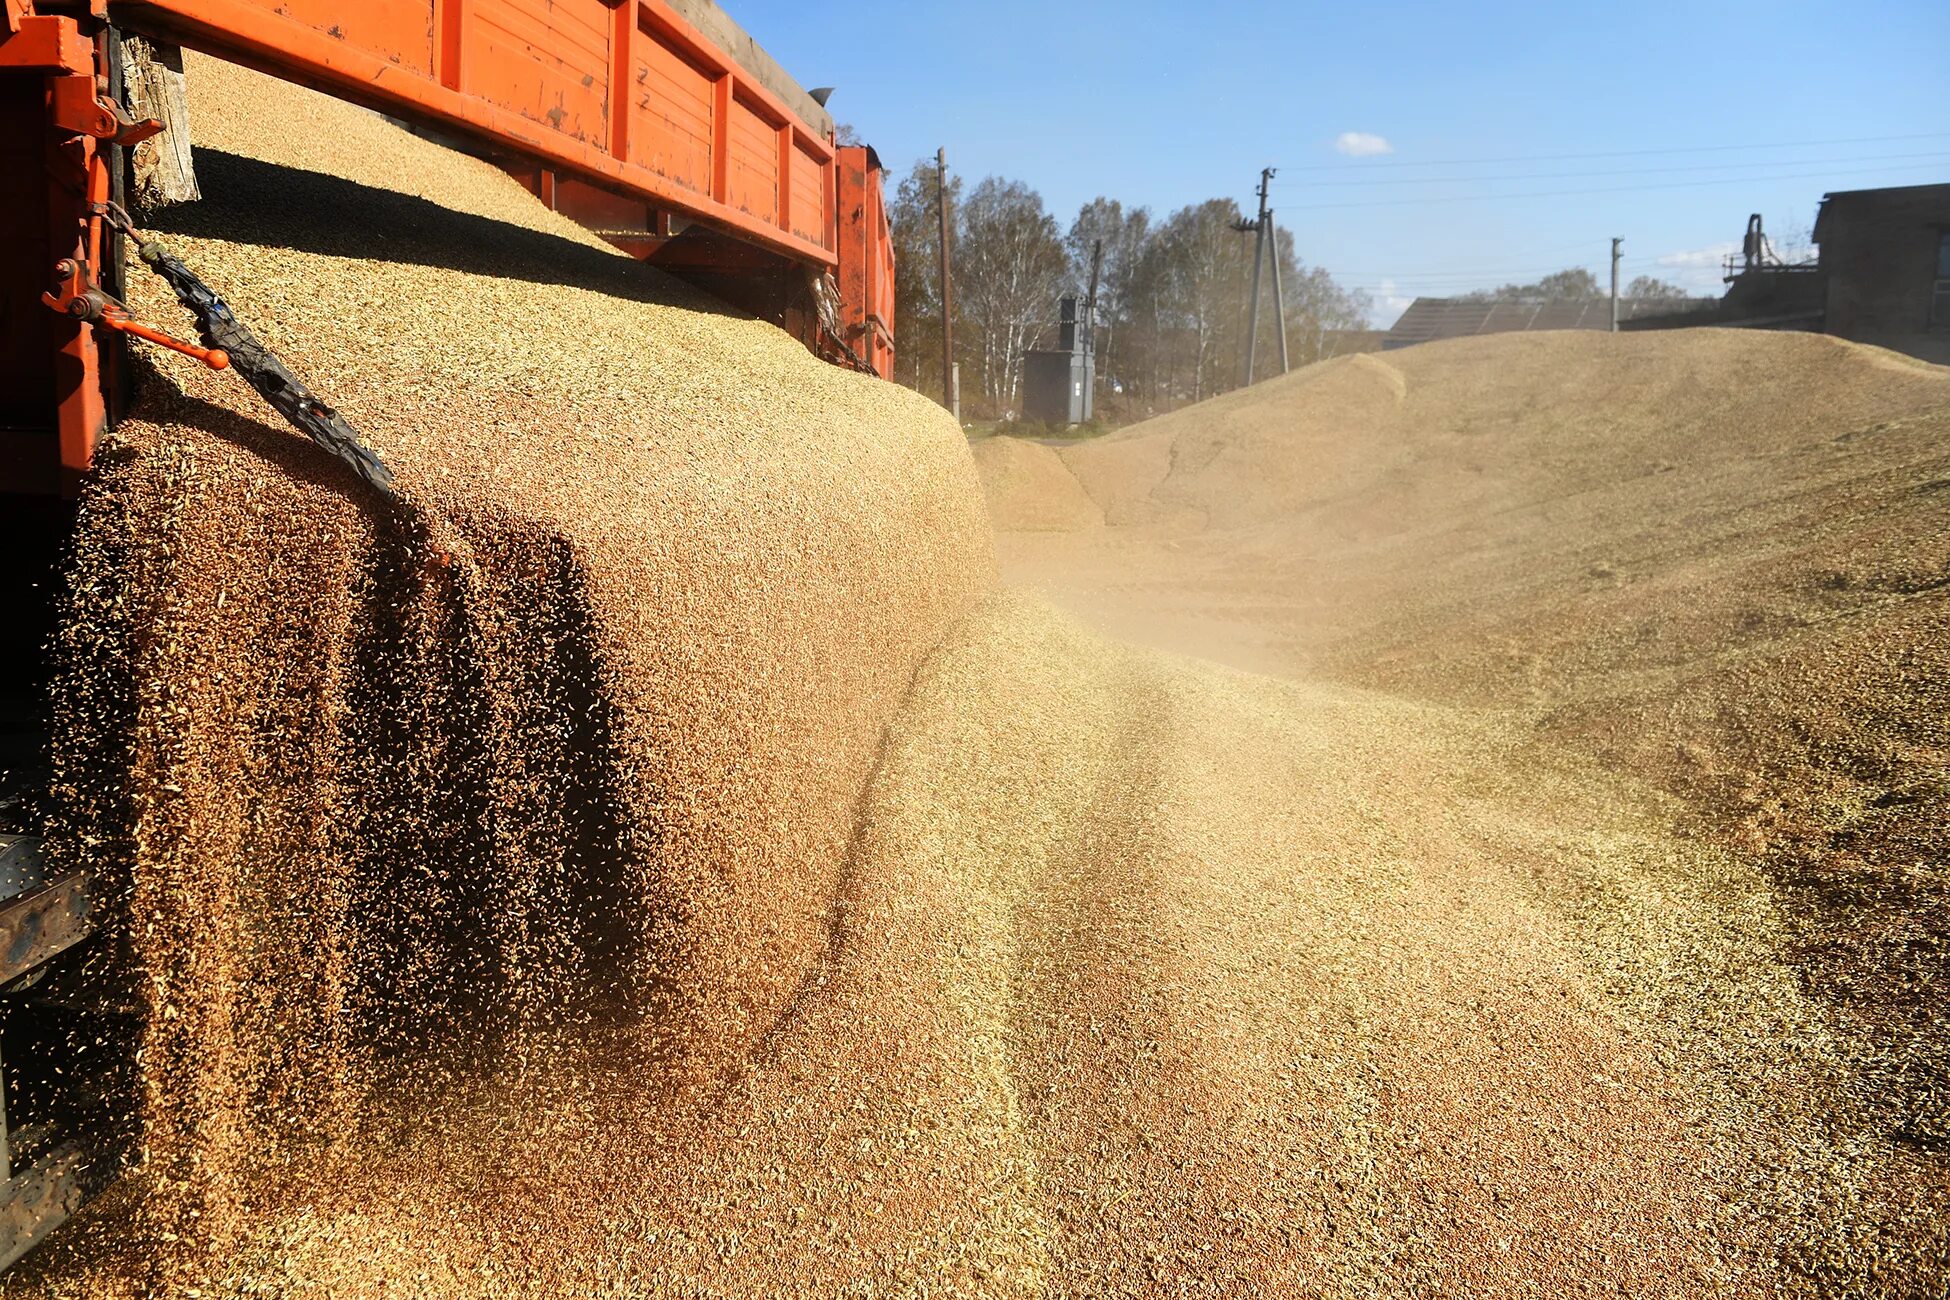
{"x": 1090, "y": 299}
{"x": 1096, "y": 271}
{"x": 1279, "y": 299}
{"x": 1259, "y": 257}
{"x": 1614, "y": 284}
{"x": 949, "y": 397}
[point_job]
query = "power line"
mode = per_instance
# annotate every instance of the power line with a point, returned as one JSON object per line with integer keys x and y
{"x": 1552, "y": 251}
{"x": 1480, "y": 270}
{"x": 1621, "y": 153}
{"x": 1615, "y": 189}
{"x": 1645, "y": 260}
{"x": 1369, "y": 280}
{"x": 1642, "y": 171}
{"x": 1429, "y": 277}
{"x": 1408, "y": 281}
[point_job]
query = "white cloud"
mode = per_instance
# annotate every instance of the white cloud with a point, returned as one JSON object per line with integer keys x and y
{"x": 1360, "y": 144}
{"x": 1710, "y": 256}
{"x": 1389, "y": 304}
{"x": 1697, "y": 270}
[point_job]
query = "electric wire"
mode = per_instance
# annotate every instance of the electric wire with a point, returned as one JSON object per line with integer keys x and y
{"x": 1640, "y": 171}
{"x": 1618, "y": 153}
{"x": 1613, "y": 189}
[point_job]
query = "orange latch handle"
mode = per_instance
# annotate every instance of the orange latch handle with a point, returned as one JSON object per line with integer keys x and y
{"x": 117, "y": 319}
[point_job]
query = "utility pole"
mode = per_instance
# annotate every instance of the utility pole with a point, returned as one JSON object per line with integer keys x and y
{"x": 1279, "y": 299}
{"x": 1614, "y": 284}
{"x": 1259, "y": 257}
{"x": 1090, "y": 300}
{"x": 1090, "y": 335}
{"x": 950, "y": 396}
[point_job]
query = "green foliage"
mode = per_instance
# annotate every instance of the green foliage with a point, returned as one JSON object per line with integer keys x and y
{"x": 1171, "y": 295}
{"x": 1646, "y": 286}
{"x": 1574, "y": 284}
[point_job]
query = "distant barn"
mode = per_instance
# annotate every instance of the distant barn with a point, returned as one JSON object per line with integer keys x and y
{"x": 1885, "y": 268}
{"x": 1448, "y": 318}
{"x": 1883, "y": 277}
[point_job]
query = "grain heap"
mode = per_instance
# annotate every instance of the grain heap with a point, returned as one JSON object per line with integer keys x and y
{"x": 413, "y": 834}
{"x": 1714, "y": 561}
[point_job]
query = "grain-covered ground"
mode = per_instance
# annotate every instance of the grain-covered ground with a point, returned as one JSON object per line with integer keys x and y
{"x": 713, "y": 884}
{"x": 1714, "y": 563}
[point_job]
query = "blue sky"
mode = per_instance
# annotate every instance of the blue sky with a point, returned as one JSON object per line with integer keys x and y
{"x": 1166, "y": 104}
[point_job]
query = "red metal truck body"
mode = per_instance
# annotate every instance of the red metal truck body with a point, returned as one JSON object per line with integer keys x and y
{"x": 621, "y": 113}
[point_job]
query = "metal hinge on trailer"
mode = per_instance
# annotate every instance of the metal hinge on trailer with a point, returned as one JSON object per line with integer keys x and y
{"x": 77, "y": 98}
{"x": 75, "y": 294}
{"x": 831, "y": 346}
{"x": 78, "y": 102}
{"x": 838, "y": 351}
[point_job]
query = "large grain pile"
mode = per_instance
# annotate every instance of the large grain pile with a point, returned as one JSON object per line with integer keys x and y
{"x": 709, "y": 885}
{"x": 1713, "y": 561}
{"x": 407, "y": 837}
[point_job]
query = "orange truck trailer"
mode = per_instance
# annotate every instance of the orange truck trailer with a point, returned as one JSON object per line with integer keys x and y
{"x": 658, "y": 123}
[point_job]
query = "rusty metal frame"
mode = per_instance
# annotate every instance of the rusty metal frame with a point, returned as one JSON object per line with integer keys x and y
{"x": 66, "y": 56}
{"x": 866, "y": 270}
{"x": 37, "y": 1200}
{"x": 42, "y": 923}
{"x": 256, "y": 35}
{"x": 743, "y": 147}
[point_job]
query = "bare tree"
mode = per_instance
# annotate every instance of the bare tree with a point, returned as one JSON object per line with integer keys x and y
{"x": 1171, "y": 301}
{"x": 1575, "y": 284}
{"x": 1009, "y": 269}
{"x": 1202, "y": 267}
{"x": 1315, "y": 304}
{"x": 1646, "y": 286}
{"x": 917, "y": 274}
{"x": 1124, "y": 234}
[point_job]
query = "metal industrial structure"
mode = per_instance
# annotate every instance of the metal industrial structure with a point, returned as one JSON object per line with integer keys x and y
{"x": 1885, "y": 268}
{"x": 658, "y": 123}
{"x": 1059, "y": 384}
{"x": 1882, "y": 277}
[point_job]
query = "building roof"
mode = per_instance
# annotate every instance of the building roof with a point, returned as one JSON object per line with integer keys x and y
{"x": 1887, "y": 189}
{"x": 1447, "y": 318}
{"x": 1339, "y": 343}
{"x": 1854, "y": 200}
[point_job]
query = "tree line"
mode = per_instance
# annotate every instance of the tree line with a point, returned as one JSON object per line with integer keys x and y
{"x": 1171, "y": 296}
{"x": 1578, "y": 284}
